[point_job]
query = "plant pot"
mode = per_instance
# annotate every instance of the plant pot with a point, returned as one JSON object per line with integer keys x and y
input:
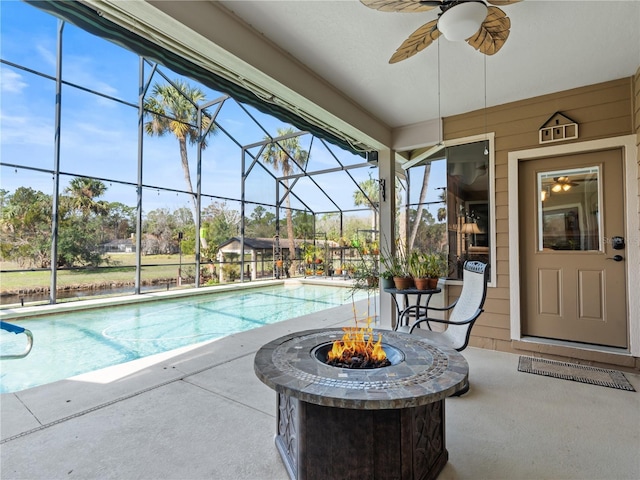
{"x": 403, "y": 283}
{"x": 422, "y": 283}
{"x": 433, "y": 282}
{"x": 387, "y": 283}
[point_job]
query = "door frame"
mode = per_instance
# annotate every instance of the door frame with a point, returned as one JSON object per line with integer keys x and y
{"x": 632, "y": 227}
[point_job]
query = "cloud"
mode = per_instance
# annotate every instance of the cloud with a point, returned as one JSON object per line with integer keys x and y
{"x": 47, "y": 55}
{"x": 11, "y": 81}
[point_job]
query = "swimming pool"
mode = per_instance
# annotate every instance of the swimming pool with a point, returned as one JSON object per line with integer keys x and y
{"x": 71, "y": 343}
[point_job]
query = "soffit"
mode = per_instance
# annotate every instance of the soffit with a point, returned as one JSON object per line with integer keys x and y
{"x": 553, "y": 46}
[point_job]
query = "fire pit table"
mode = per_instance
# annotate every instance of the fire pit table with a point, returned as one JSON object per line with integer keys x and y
{"x": 344, "y": 423}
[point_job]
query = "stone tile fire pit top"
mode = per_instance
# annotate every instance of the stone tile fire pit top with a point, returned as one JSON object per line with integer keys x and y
{"x": 426, "y": 372}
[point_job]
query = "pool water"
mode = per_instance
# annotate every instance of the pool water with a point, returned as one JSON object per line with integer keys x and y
{"x": 71, "y": 343}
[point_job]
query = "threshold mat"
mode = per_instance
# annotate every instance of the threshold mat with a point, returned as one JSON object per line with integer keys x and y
{"x": 575, "y": 372}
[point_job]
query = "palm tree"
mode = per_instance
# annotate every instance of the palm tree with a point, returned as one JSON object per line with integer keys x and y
{"x": 368, "y": 195}
{"x": 173, "y": 109}
{"x": 442, "y": 211}
{"x": 282, "y": 155}
{"x": 371, "y": 197}
{"x": 423, "y": 196}
{"x": 83, "y": 191}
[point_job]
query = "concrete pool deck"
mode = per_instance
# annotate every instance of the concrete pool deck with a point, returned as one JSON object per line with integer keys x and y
{"x": 201, "y": 413}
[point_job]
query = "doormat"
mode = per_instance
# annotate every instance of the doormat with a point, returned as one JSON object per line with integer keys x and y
{"x": 575, "y": 372}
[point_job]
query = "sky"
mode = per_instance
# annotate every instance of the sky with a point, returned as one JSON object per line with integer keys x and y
{"x": 99, "y": 135}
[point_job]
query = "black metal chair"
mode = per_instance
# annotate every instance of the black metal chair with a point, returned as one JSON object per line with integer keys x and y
{"x": 463, "y": 312}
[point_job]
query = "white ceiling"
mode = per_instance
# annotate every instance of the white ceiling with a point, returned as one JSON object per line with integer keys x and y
{"x": 553, "y": 46}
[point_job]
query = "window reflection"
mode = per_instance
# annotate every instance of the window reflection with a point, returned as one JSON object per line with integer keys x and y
{"x": 467, "y": 205}
{"x": 568, "y": 207}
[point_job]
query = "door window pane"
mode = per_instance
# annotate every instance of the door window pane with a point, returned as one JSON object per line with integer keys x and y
{"x": 568, "y": 209}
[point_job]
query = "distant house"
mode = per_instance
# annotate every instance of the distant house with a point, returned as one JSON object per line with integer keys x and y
{"x": 262, "y": 250}
{"x": 120, "y": 245}
{"x": 262, "y": 245}
{"x": 266, "y": 245}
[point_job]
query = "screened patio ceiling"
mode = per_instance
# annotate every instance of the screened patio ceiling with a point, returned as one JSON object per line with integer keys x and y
{"x": 330, "y": 63}
{"x": 336, "y": 165}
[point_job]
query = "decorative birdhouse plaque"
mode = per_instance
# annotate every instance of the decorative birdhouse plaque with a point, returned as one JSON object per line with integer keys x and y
{"x": 559, "y": 127}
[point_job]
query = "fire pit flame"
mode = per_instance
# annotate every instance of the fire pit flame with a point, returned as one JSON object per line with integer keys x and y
{"x": 358, "y": 349}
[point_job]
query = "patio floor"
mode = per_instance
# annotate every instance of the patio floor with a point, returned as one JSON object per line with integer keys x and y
{"x": 202, "y": 414}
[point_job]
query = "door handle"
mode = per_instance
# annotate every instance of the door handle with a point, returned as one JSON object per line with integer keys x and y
{"x": 616, "y": 258}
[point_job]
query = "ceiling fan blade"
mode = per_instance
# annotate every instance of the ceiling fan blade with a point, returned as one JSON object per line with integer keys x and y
{"x": 417, "y": 41}
{"x": 404, "y": 6}
{"x": 502, "y": 3}
{"x": 493, "y": 32}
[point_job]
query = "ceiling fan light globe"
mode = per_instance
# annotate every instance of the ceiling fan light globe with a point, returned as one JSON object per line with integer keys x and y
{"x": 462, "y": 21}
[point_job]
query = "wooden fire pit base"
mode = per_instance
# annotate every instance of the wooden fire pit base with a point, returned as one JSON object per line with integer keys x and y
{"x": 361, "y": 424}
{"x": 317, "y": 442}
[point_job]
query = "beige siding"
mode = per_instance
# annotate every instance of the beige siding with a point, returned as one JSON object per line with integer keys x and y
{"x": 636, "y": 117}
{"x": 603, "y": 110}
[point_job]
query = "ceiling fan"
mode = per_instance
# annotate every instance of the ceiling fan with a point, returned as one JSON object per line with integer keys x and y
{"x": 562, "y": 184}
{"x": 484, "y": 28}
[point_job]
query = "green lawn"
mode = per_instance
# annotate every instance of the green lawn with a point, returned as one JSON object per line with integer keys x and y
{"x": 125, "y": 272}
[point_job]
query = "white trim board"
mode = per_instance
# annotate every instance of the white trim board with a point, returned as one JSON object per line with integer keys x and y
{"x": 632, "y": 252}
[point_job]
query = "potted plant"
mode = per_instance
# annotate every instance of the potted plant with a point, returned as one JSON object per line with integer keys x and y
{"x": 420, "y": 270}
{"x": 436, "y": 267}
{"x": 397, "y": 264}
{"x": 366, "y": 275}
{"x": 386, "y": 279}
{"x": 309, "y": 253}
{"x": 350, "y": 268}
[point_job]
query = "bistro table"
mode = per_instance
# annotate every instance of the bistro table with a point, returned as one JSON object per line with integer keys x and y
{"x": 410, "y": 310}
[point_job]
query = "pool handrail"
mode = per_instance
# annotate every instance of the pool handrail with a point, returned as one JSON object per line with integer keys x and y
{"x": 9, "y": 327}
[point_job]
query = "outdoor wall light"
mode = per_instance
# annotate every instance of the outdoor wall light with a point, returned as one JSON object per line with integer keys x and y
{"x": 382, "y": 184}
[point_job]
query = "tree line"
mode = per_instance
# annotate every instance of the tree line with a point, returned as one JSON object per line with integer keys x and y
{"x": 85, "y": 223}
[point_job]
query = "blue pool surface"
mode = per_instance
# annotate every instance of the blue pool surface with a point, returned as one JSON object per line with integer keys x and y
{"x": 71, "y": 343}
